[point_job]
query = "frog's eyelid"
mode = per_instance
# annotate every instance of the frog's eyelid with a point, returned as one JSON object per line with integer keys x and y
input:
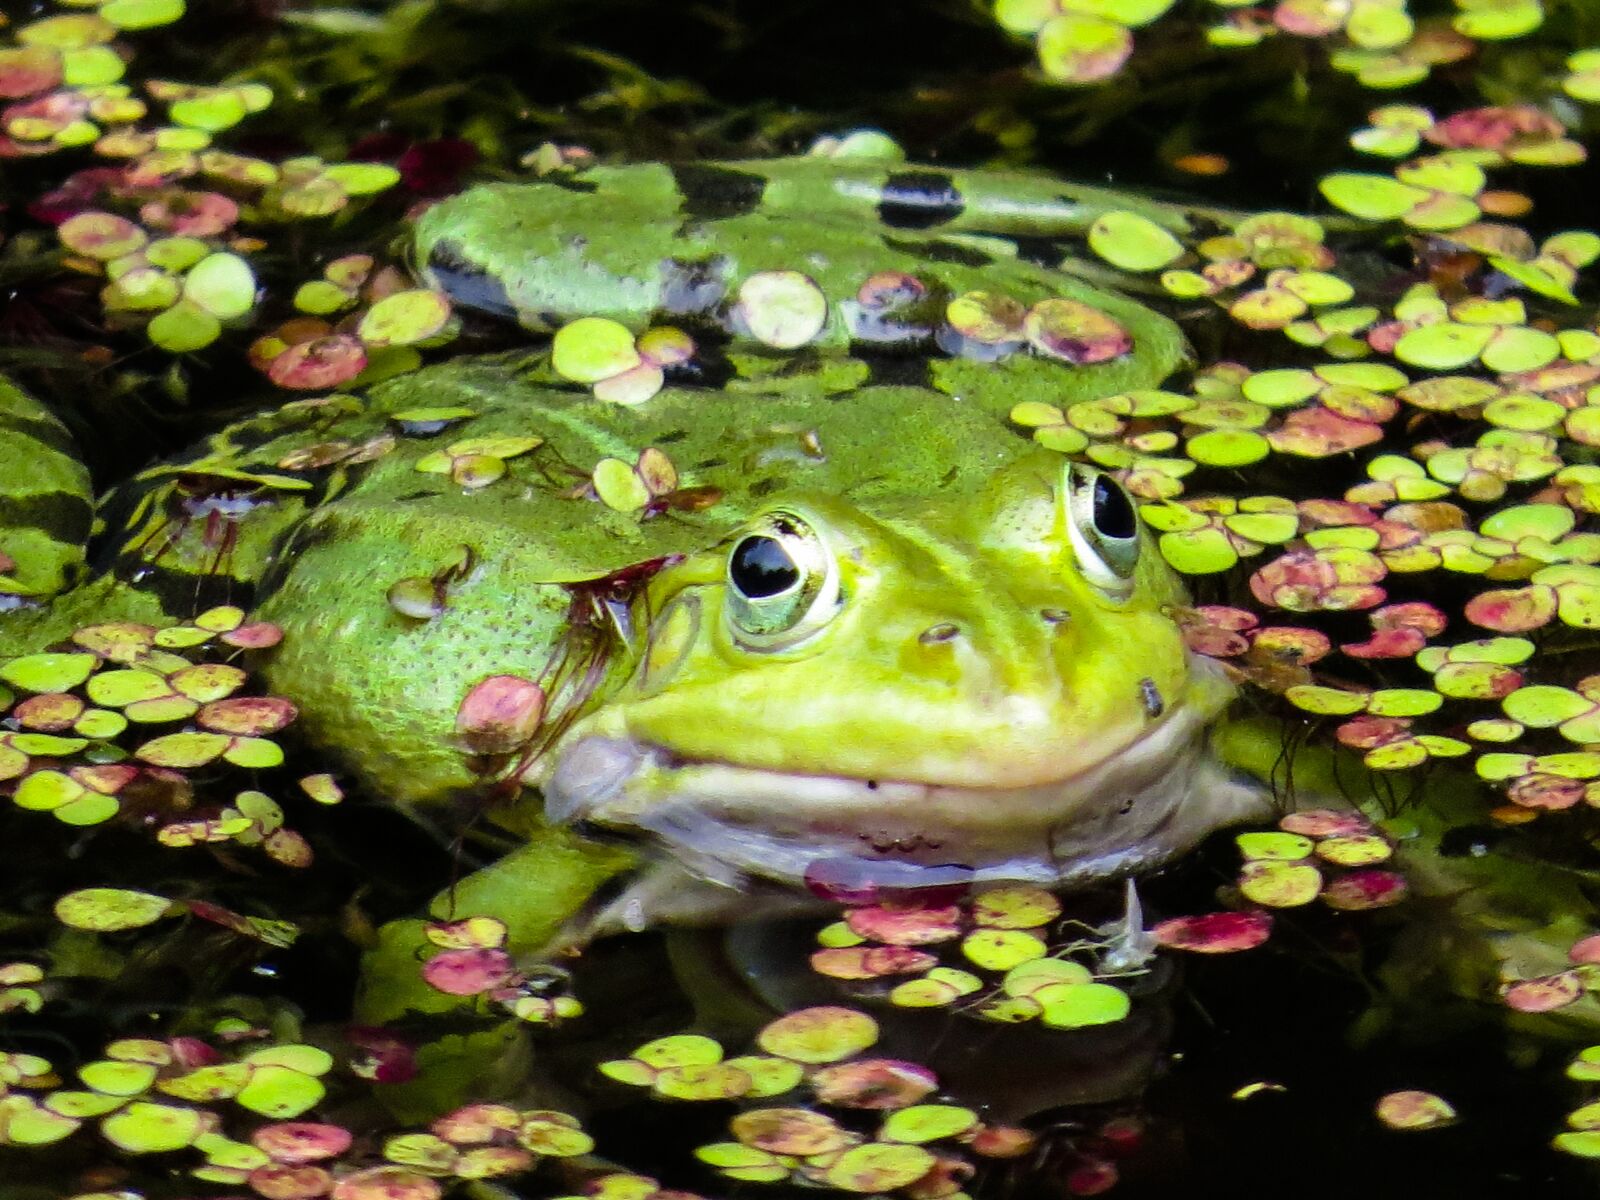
{"x": 1108, "y": 563}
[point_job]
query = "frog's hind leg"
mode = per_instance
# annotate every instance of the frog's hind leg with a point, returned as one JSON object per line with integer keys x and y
{"x": 1485, "y": 905}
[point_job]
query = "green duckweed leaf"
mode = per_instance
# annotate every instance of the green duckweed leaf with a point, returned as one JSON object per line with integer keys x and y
{"x": 1078, "y": 48}
{"x": 280, "y": 1092}
{"x": 1079, "y": 1005}
{"x": 108, "y": 910}
{"x": 1015, "y": 908}
{"x": 183, "y": 750}
{"x": 1027, "y": 978}
{"x": 29, "y": 1124}
{"x": 921, "y": 1123}
{"x": 591, "y": 349}
{"x": 82, "y": 1105}
{"x": 222, "y": 285}
{"x": 117, "y": 1078}
{"x": 410, "y": 316}
{"x": 48, "y": 672}
{"x": 1132, "y": 242}
{"x": 824, "y": 1034}
{"x": 879, "y": 1167}
{"x": 782, "y": 309}
{"x": 183, "y": 328}
{"x": 702, "y": 1081}
{"x": 1285, "y": 847}
{"x": 1002, "y": 949}
{"x": 1276, "y": 884}
{"x": 144, "y": 1127}
{"x": 679, "y": 1050}
{"x": 362, "y": 178}
{"x": 743, "y": 1162}
{"x": 1374, "y": 197}
{"x": 141, "y": 14}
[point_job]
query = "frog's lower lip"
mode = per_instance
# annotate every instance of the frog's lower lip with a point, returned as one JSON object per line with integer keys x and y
{"x": 727, "y": 822}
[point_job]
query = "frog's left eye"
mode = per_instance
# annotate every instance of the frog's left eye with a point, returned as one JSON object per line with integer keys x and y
{"x": 1104, "y": 527}
{"x": 783, "y": 584}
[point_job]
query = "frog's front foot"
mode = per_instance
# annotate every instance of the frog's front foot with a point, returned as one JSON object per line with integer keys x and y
{"x": 1129, "y": 945}
{"x": 668, "y": 892}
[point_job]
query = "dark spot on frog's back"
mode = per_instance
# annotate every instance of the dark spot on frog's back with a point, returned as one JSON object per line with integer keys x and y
{"x": 896, "y": 370}
{"x": 182, "y": 593}
{"x": 466, "y": 282}
{"x": 568, "y": 183}
{"x": 712, "y": 193}
{"x": 946, "y": 252}
{"x": 919, "y": 200}
{"x": 62, "y": 515}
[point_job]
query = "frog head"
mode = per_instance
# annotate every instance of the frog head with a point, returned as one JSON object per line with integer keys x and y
{"x": 901, "y": 694}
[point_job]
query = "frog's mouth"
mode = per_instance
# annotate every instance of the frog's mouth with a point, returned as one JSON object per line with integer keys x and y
{"x": 731, "y": 824}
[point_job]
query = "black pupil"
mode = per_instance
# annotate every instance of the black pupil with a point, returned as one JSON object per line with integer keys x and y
{"x": 1113, "y": 511}
{"x": 762, "y": 567}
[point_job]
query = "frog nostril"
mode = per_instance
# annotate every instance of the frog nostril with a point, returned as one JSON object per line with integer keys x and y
{"x": 1055, "y": 616}
{"x": 934, "y": 634}
{"x": 1150, "y": 695}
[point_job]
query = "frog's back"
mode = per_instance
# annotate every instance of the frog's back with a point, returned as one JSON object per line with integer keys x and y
{"x": 636, "y": 243}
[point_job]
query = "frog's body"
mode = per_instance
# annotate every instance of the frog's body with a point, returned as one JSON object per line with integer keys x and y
{"x": 978, "y": 684}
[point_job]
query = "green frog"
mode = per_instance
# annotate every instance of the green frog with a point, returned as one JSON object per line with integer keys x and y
{"x": 873, "y": 636}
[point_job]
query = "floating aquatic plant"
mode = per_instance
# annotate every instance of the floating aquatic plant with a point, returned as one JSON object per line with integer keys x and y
{"x": 96, "y": 721}
{"x": 163, "y": 225}
{"x": 203, "y": 1103}
{"x": 1078, "y": 41}
{"x": 816, "y": 1052}
{"x": 471, "y": 960}
{"x": 991, "y": 954}
{"x": 1414, "y": 1110}
{"x": 621, "y": 368}
{"x": 1316, "y": 853}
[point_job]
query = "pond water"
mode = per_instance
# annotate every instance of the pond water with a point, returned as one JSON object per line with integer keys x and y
{"x": 649, "y": 678}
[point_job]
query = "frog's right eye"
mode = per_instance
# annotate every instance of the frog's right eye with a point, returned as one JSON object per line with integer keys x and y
{"x": 783, "y": 584}
{"x": 1104, "y": 528}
